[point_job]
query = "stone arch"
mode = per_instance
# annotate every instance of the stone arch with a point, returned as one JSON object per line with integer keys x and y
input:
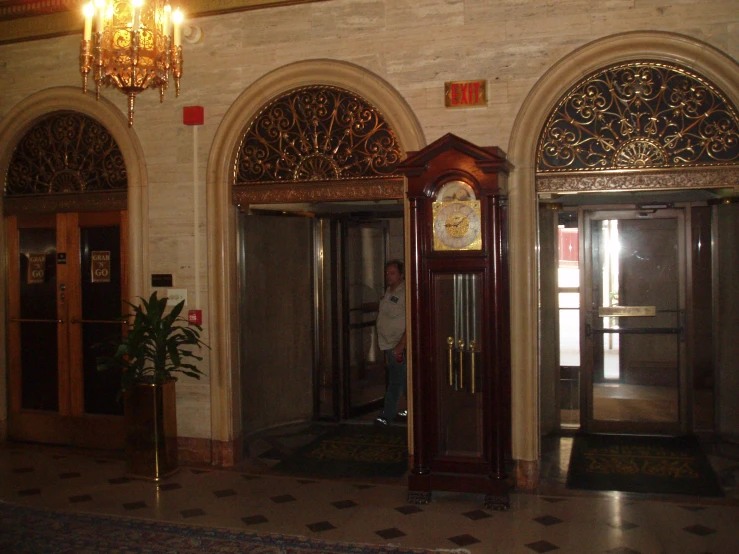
{"x": 561, "y": 77}
{"x": 222, "y": 216}
{"x": 23, "y": 116}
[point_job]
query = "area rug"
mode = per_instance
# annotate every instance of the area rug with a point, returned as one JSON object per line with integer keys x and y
{"x": 39, "y": 531}
{"x": 661, "y": 465}
{"x": 352, "y": 451}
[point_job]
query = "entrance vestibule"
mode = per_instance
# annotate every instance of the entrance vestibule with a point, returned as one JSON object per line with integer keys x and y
{"x": 306, "y": 276}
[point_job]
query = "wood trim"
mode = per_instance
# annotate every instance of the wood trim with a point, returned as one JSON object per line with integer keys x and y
{"x": 14, "y": 310}
{"x": 62, "y": 301}
{"x": 97, "y": 201}
{"x": 71, "y": 368}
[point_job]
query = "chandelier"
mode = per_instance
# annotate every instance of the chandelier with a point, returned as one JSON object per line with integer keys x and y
{"x": 135, "y": 46}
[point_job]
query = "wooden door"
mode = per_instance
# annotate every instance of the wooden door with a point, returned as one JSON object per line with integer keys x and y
{"x": 67, "y": 278}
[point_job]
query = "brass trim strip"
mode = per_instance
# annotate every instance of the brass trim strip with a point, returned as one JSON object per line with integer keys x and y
{"x": 16, "y": 320}
{"x": 627, "y": 311}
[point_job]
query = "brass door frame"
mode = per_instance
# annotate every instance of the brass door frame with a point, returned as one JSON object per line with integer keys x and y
{"x": 588, "y": 313}
{"x": 70, "y": 425}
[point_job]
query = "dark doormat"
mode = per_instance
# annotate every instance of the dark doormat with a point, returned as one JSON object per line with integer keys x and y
{"x": 352, "y": 451}
{"x": 661, "y": 465}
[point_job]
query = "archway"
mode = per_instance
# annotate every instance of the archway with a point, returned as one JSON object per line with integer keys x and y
{"x": 658, "y": 46}
{"x": 13, "y": 127}
{"x": 222, "y": 219}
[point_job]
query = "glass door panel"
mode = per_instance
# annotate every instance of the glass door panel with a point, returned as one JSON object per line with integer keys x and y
{"x": 634, "y": 346}
{"x": 365, "y": 247}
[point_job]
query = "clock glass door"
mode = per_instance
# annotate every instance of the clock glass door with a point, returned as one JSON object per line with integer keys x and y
{"x": 633, "y": 344}
{"x": 459, "y": 353}
{"x": 66, "y": 280}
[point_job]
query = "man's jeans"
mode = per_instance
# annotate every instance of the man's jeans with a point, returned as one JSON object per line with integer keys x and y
{"x": 396, "y": 384}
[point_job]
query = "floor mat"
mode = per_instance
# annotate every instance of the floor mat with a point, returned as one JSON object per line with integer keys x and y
{"x": 660, "y": 465}
{"x": 352, "y": 451}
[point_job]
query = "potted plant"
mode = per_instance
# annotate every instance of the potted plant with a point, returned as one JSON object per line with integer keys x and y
{"x": 156, "y": 345}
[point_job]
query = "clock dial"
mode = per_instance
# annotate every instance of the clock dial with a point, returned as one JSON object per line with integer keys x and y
{"x": 457, "y": 226}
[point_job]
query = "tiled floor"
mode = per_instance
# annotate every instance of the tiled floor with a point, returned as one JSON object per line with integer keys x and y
{"x": 552, "y": 518}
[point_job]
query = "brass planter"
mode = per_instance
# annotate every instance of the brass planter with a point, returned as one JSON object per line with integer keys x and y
{"x": 151, "y": 431}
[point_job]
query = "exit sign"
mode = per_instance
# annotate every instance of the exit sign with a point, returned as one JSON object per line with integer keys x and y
{"x": 465, "y": 94}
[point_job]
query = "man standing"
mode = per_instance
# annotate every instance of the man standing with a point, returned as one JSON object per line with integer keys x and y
{"x": 391, "y": 338}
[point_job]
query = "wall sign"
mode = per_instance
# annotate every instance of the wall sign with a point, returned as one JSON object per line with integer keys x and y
{"x": 36, "y": 268}
{"x": 465, "y": 94}
{"x": 100, "y": 266}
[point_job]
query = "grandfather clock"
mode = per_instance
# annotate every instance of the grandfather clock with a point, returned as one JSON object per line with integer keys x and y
{"x": 458, "y": 278}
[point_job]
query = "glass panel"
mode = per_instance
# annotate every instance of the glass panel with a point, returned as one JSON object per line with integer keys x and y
{"x": 365, "y": 274}
{"x": 458, "y": 330}
{"x": 703, "y": 368}
{"x": 101, "y": 304}
{"x": 636, "y": 361}
{"x": 39, "y": 372}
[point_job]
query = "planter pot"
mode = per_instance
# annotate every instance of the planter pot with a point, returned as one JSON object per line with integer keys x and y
{"x": 151, "y": 431}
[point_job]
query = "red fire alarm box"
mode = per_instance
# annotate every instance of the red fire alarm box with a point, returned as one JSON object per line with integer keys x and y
{"x": 193, "y": 115}
{"x": 195, "y": 317}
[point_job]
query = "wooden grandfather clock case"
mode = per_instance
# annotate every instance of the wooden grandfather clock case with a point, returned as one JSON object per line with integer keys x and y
{"x": 458, "y": 278}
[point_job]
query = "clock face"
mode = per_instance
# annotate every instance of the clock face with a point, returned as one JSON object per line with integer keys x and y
{"x": 457, "y": 225}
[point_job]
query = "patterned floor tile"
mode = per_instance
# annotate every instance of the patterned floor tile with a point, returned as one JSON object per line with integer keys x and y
{"x": 224, "y": 493}
{"x": 169, "y": 487}
{"x": 320, "y": 526}
{"x": 23, "y": 470}
{"x": 80, "y": 498}
{"x": 192, "y": 513}
{"x": 464, "y": 540}
{"x": 254, "y": 520}
{"x": 343, "y": 504}
{"x": 407, "y": 510}
{"x": 119, "y": 481}
{"x": 134, "y": 505}
{"x": 700, "y": 530}
{"x": 29, "y": 492}
{"x": 542, "y": 546}
{"x": 622, "y": 550}
{"x": 547, "y": 520}
{"x": 70, "y": 475}
{"x": 476, "y": 514}
{"x": 391, "y": 533}
{"x": 281, "y": 499}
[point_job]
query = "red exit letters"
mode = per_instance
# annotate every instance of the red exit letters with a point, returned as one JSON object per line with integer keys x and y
{"x": 463, "y": 94}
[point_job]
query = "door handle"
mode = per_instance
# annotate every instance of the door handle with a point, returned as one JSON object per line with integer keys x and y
{"x": 588, "y": 330}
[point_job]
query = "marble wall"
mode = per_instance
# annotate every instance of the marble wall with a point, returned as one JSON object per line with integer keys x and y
{"x": 415, "y": 45}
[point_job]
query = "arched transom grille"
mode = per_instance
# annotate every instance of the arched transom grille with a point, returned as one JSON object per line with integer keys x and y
{"x": 317, "y": 133}
{"x": 66, "y": 152}
{"x": 640, "y": 115}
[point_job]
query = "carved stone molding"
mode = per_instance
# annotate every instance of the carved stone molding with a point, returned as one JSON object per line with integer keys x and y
{"x": 639, "y": 180}
{"x": 319, "y": 191}
{"x": 70, "y": 202}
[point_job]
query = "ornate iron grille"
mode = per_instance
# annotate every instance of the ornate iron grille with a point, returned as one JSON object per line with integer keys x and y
{"x": 316, "y": 133}
{"x": 66, "y": 152}
{"x": 640, "y": 115}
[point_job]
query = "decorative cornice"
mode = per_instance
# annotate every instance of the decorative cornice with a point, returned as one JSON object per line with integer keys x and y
{"x": 639, "y": 180}
{"x": 319, "y": 191}
{"x": 22, "y": 21}
{"x": 72, "y": 202}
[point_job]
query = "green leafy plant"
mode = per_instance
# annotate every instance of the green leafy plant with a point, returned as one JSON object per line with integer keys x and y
{"x": 157, "y": 345}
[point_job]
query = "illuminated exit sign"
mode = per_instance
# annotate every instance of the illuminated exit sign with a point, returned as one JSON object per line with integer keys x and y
{"x": 465, "y": 94}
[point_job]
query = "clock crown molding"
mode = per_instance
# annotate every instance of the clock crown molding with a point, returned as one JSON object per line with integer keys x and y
{"x": 430, "y": 164}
